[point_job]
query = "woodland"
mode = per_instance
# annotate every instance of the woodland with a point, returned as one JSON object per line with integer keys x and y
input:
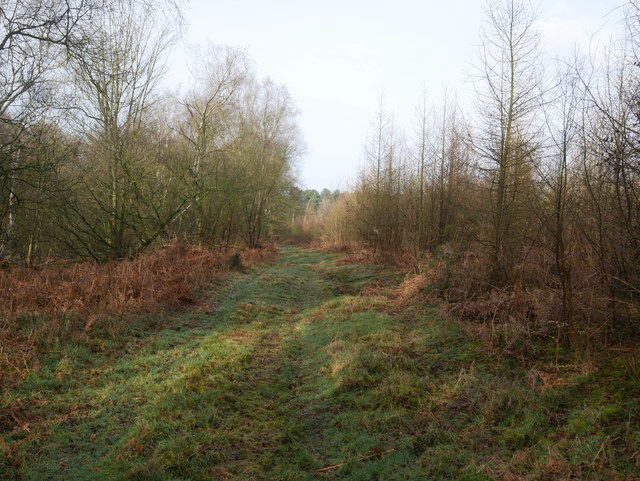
{"x": 174, "y": 304}
{"x": 525, "y": 209}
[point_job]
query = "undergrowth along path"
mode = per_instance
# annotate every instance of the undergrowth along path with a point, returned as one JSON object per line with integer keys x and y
{"x": 304, "y": 370}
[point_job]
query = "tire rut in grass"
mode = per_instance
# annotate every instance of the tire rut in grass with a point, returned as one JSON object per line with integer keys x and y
{"x": 228, "y": 394}
{"x": 265, "y": 312}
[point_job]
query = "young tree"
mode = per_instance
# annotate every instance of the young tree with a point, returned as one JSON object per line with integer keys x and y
{"x": 422, "y": 154}
{"x": 508, "y": 81}
{"x": 564, "y": 125}
{"x": 611, "y": 177}
{"x": 378, "y": 151}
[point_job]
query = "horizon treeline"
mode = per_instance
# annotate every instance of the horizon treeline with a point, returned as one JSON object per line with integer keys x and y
{"x": 98, "y": 162}
{"x": 529, "y": 203}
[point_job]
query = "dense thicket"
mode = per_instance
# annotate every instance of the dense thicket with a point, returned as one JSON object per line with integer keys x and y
{"x": 529, "y": 205}
{"x": 96, "y": 162}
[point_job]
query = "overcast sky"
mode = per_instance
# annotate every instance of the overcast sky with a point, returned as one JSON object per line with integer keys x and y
{"x": 337, "y": 57}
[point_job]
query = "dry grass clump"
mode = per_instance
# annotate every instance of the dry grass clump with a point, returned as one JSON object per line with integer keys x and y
{"x": 510, "y": 315}
{"x": 359, "y": 256}
{"x": 167, "y": 277}
{"x": 253, "y": 257}
{"x": 535, "y": 307}
{"x": 511, "y": 319}
{"x": 411, "y": 288}
{"x": 331, "y": 247}
{"x": 366, "y": 256}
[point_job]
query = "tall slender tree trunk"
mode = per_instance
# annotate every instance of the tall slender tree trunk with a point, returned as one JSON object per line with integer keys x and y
{"x": 8, "y": 247}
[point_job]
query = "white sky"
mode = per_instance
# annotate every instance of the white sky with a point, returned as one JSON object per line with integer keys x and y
{"x": 337, "y": 57}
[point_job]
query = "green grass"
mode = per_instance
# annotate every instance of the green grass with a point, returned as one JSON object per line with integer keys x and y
{"x": 298, "y": 368}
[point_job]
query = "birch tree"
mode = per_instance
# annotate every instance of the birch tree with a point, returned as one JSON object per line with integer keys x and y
{"x": 35, "y": 37}
{"x": 115, "y": 77}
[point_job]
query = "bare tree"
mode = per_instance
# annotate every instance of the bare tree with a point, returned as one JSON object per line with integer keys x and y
{"x": 268, "y": 143}
{"x": 564, "y": 124}
{"x": 378, "y": 151}
{"x": 611, "y": 176}
{"x": 508, "y": 82}
{"x": 115, "y": 78}
{"x": 219, "y": 74}
{"x": 30, "y": 31}
{"x": 422, "y": 154}
{"x": 34, "y": 38}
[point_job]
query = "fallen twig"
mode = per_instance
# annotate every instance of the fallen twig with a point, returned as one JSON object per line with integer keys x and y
{"x": 363, "y": 458}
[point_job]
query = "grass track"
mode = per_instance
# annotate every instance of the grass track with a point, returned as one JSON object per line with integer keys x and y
{"x": 295, "y": 371}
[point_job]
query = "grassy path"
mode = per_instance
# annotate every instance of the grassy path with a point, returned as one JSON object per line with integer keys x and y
{"x": 296, "y": 369}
